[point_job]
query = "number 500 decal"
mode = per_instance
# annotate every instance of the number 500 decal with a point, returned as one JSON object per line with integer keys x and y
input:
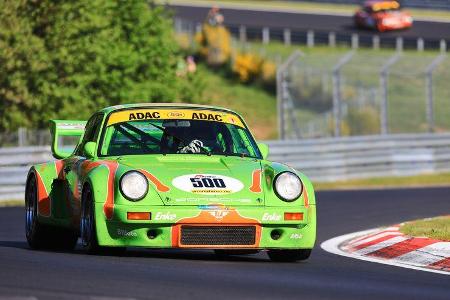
{"x": 208, "y": 184}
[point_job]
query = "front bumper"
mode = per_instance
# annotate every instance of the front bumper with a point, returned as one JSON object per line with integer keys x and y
{"x": 164, "y": 228}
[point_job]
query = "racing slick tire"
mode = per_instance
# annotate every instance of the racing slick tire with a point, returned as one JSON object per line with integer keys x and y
{"x": 88, "y": 231}
{"x": 289, "y": 255}
{"x": 42, "y": 236}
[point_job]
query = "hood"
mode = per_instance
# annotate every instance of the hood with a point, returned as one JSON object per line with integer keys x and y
{"x": 201, "y": 179}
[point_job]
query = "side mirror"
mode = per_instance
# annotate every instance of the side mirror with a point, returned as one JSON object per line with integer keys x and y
{"x": 264, "y": 149}
{"x": 89, "y": 149}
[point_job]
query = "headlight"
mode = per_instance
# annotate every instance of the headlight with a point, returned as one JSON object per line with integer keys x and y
{"x": 133, "y": 185}
{"x": 288, "y": 186}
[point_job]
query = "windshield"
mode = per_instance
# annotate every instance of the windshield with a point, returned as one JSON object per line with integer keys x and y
{"x": 158, "y": 135}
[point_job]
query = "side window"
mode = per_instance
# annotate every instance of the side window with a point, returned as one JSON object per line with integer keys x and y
{"x": 91, "y": 132}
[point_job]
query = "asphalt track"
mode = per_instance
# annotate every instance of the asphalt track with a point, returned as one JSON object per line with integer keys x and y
{"x": 299, "y": 23}
{"x": 144, "y": 274}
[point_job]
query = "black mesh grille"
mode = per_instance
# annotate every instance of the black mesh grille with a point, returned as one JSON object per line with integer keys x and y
{"x": 218, "y": 235}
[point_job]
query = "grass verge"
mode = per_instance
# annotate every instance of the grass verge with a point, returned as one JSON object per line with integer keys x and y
{"x": 436, "y": 228}
{"x": 388, "y": 182}
{"x": 308, "y": 7}
{"x": 7, "y": 203}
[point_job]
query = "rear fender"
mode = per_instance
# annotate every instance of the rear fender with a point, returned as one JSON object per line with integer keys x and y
{"x": 52, "y": 200}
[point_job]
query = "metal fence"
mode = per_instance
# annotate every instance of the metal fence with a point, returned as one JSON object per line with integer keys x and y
{"x": 323, "y": 160}
{"x": 25, "y": 137}
{"x": 363, "y": 93}
{"x": 309, "y": 37}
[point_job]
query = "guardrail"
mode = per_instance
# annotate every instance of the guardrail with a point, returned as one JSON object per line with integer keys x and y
{"x": 327, "y": 159}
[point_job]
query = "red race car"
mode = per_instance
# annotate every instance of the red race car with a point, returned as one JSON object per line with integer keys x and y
{"x": 382, "y": 15}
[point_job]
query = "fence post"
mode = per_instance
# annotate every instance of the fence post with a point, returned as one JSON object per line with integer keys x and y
{"x": 242, "y": 34}
{"x": 198, "y": 28}
{"x": 384, "y": 92}
{"x": 332, "y": 39}
{"x": 420, "y": 44}
{"x": 310, "y": 38}
{"x": 429, "y": 90}
{"x": 265, "y": 35}
{"x": 337, "y": 99}
{"x": 287, "y": 36}
{"x": 178, "y": 25}
{"x": 443, "y": 46}
{"x": 399, "y": 44}
{"x": 355, "y": 41}
{"x": 376, "y": 42}
{"x": 281, "y": 92}
{"x": 21, "y": 136}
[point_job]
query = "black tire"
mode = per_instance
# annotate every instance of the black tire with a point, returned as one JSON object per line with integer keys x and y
{"x": 42, "y": 236}
{"x": 88, "y": 231}
{"x": 289, "y": 255}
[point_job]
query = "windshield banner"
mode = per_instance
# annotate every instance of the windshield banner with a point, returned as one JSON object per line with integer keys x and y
{"x": 170, "y": 114}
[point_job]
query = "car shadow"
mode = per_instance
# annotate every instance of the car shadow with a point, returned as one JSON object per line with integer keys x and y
{"x": 14, "y": 244}
{"x": 178, "y": 254}
{"x": 169, "y": 254}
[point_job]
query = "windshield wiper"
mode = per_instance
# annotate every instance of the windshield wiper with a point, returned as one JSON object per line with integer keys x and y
{"x": 164, "y": 129}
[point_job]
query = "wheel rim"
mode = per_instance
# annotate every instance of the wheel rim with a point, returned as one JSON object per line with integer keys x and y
{"x": 86, "y": 221}
{"x": 30, "y": 206}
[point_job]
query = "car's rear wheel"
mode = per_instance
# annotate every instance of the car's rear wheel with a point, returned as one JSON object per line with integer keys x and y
{"x": 42, "y": 236}
{"x": 88, "y": 230}
{"x": 289, "y": 255}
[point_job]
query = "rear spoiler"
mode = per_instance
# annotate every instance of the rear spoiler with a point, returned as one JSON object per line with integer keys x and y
{"x": 65, "y": 136}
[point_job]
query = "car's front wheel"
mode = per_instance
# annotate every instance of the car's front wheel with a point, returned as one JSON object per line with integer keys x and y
{"x": 42, "y": 236}
{"x": 88, "y": 230}
{"x": 289, "y": 255}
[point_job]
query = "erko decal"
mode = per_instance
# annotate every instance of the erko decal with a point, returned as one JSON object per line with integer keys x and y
{"x": 207, "y": 184}
{"x": 271, "y": 217}
{"x": 168, "y": 114}
{"x": 166, "y": 216}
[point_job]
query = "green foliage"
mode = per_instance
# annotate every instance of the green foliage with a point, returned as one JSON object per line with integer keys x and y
{"x": 70, "y": 58}
{"x": 309, "y": 94}
{"x": 364, "y": 121}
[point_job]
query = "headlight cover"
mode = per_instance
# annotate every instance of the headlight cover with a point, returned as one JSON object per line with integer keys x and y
{"x": 288, "y": 186}
{"x": 133, "y": 185}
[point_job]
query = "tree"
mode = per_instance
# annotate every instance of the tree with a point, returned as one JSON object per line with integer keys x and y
{"x": 66, "y": 59}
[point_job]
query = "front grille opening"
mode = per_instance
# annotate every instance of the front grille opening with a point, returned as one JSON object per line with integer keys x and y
{"x": 218, "y": 235}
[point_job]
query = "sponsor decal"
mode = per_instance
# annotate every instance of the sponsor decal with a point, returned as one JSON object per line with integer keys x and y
{"x": 207, "y": 184}
{"x": 168, "y": 114}
{"x": 165, "y": 216}
{"x": 209, "y": 117}
{"x": 123, "y": 232}
{"x": 219, "y": 214}
{"x": 296, "y": 236}
{"x": 176, "y": 114}
{"x": 271, "y": 217}
{"x": 144, "y": 116}
{"x": 218, "y": 211}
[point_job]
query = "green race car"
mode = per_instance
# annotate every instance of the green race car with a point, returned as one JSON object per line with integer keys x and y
{"x": 168, "y": 176}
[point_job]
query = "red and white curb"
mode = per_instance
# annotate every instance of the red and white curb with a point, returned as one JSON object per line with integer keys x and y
{"x": 391, "y": 247}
